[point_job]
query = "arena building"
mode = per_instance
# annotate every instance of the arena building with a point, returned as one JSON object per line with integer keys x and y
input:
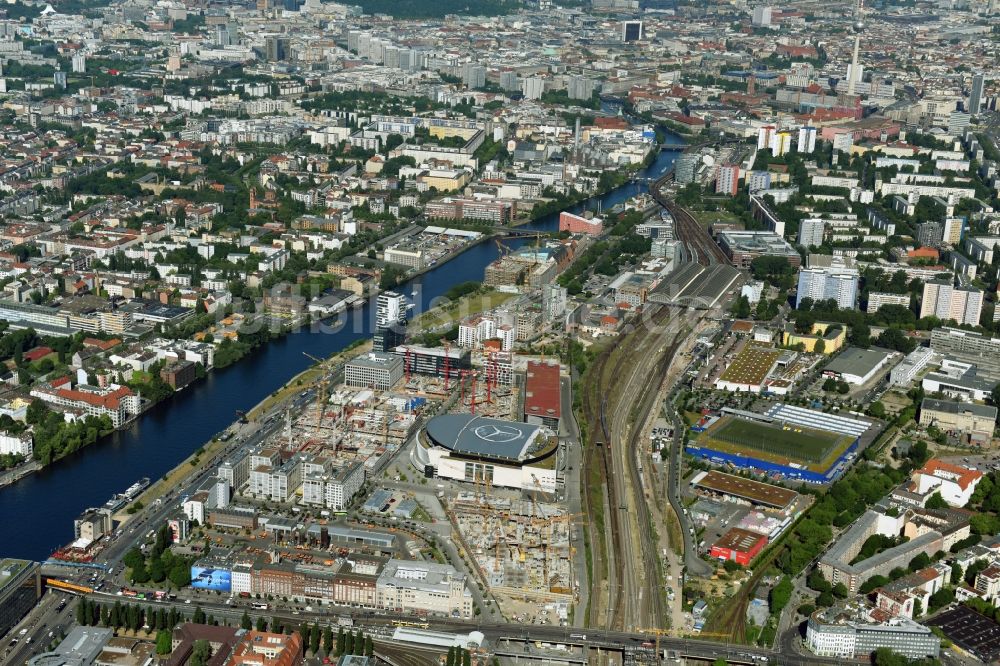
{"x": 478, "y": 449}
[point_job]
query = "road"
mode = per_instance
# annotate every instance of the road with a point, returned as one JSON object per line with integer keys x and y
{"x": 497, "y": 632}
{"x": 50, "y": 616}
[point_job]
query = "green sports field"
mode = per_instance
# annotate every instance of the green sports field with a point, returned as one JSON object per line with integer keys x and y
{"x": 815, "y": 449}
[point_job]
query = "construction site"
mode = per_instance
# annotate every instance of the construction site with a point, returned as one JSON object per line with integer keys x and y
{"x": 480, "y": 383}
{"x": 523, "y": 549}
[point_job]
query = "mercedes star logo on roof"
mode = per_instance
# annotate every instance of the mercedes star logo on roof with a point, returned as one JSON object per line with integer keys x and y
{"x": 497, "y": 434}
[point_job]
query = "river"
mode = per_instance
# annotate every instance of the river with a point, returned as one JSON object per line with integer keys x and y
{"x": 38, "y": 511}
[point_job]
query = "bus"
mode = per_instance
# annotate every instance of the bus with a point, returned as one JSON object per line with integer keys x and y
{"x": 259, "y": 606}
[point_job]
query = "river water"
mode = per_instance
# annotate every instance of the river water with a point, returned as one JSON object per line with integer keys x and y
{"x": 38, "y": 511}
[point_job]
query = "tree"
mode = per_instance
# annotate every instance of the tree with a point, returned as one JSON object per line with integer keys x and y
{"x": 780, "y": 594}
{"x": 369, "y": 646}
{"x": 741, "y": 307}
{"x": 314, "y": 639}
{"x": 306, "y": 632}
{"x": 956, "y": 574}
{"x": 327, "y": 639}
{"x": 348, "y": 643}
{"x": 199, "y": 615}
{"x": 180, "y": 574}
{"x": 886, "y": 657}
{"x": 995, "y": 395}
{"x": 816, "y": 581}
{"x": 840, "y": 591}
{"x": 163, "y": 642}
{"x": 820, "y": 346}
{"x": 201, "y": 652}
{"x": 261, "y": 624}
{"x": 341, "y": 641}
{"x": 921, "y": 561}
{"x": 895, "y": 339}
{"x": 245, "y": 622}
{"x": 935, "y": 501}
{"x": 83, "y": 612}
{"x": 941, "y": 598}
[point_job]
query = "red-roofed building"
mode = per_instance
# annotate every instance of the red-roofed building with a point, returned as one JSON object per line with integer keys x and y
{"x": 103, "y": 345}
{"x": 790, "y": 51}
{"x": 738, "y": 545}
{"x": 955, "y": 483}
{"x": 576, "y": 224}
{"x": 36, "y": 354}
{"x": 260, "y": 648}
{"x": 924, "y": 253}
{"x": 542, "y": 398}
{"x": 611, "y": 123}
{"x": 116, "y": 402}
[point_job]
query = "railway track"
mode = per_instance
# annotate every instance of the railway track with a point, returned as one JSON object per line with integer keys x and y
{"x": 688, "y": 229}
{"x": 618, "y": 392}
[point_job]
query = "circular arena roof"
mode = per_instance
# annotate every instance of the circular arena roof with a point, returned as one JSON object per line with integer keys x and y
{"x": 482, "y": 436}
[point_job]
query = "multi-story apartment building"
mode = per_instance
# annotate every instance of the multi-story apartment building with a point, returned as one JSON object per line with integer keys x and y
{"x": 876, "y": 299}
{"x": 727, "y": 179}
{"x": 116, "y": 402}
{"x": 945, "y": 301}
{"x": 390, "y": 308}
{"x": 333, "y": 489}
{"x": 820, "y": 284}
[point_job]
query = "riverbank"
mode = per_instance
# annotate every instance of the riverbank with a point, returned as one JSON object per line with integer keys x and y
{"x": 305, "y": 378}
{"x": 41, "y": 507}
{"x": 454, "y": 254}
{"x": 16, "y": 474}
{"x": 212, "y": 447}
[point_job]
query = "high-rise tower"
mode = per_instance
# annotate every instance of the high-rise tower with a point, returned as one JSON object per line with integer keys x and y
{"x": 854, "y": 73}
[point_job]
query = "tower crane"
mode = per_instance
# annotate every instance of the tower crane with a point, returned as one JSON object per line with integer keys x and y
{"x": 321, "y": 396}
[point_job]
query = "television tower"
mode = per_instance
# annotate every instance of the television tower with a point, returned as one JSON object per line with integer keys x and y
{"x": 859, "y": 26}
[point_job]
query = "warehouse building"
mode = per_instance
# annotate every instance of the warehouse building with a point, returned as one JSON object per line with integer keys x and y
{"x": 542, "y": 397}
{"x": 737, "y": 489}
{"x": 738, "y": 545}
{"x": 975, "y": 422}
{"x": 857, "y": 366}
{"x": 959, "y": 380}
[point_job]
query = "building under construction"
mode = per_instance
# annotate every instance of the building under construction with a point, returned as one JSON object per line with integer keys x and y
{"x": 523, "y": 548}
